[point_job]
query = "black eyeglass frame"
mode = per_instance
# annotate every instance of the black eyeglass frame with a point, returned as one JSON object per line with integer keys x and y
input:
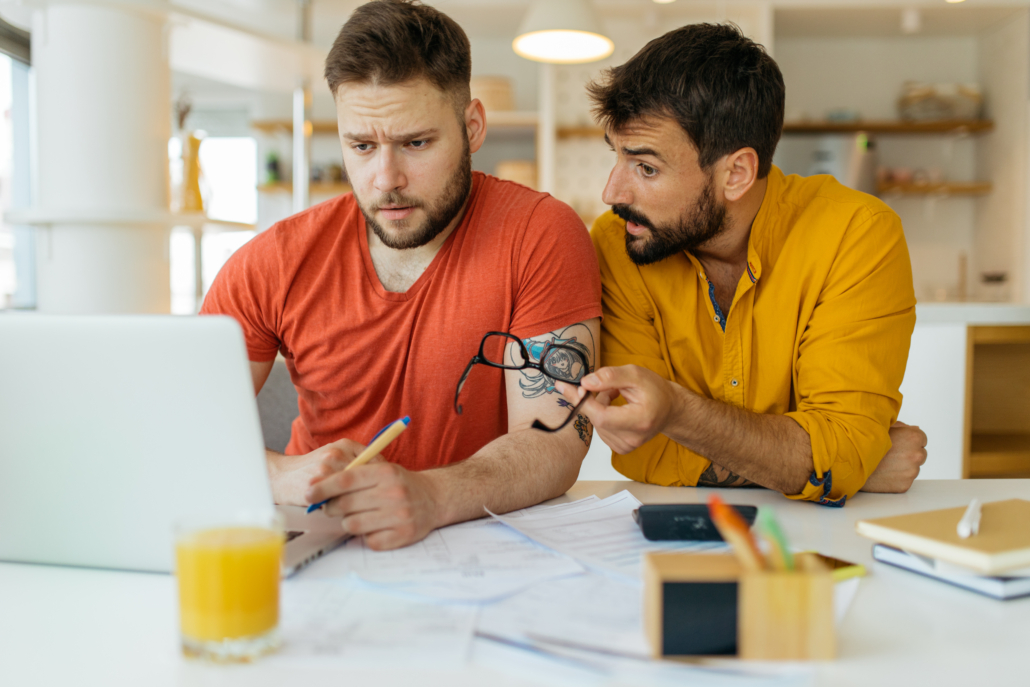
{"x": 480, "y": 358}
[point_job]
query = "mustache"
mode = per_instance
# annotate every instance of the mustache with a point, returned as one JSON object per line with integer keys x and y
{"x": 630, "y": 215}
{"x": 394, "y": 198}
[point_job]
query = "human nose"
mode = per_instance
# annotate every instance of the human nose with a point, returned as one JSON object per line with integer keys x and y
{"x": 616, "y": 191}
{"x": 389, "y": 176}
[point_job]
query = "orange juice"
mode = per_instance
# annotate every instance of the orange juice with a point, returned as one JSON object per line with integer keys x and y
{"x": 228, "y": 582}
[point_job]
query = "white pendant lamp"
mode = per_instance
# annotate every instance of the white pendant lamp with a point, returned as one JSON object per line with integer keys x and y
{"x": 562, "y": 32}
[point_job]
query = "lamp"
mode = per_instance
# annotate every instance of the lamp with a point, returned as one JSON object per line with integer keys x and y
{"x": 562, "y": 32}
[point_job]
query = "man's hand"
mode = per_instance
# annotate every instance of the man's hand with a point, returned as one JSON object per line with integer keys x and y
{"x": 650, "y": 401}
{"x": 900, "y": 467}
{"x": 391, "y": 506}
{"x": 291, "y": 475}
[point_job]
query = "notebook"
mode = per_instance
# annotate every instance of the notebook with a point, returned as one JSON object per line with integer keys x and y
{"x": 1003, "y": 542}
{"x": 1001, "y": 587}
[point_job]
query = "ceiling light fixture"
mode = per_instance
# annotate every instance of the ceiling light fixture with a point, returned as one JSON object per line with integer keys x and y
{"x": 562, "y": 32}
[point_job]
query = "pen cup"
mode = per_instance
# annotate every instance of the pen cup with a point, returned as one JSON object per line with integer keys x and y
{"x": 228, "y": 572}
{"x": 706, "y": 605}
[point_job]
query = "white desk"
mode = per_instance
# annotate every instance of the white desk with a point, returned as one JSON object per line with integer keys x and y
{"x": 64, "y": 626}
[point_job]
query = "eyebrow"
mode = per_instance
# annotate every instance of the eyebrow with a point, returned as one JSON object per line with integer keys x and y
{"x": 401, "y": 138}
{"x": 635, "y": 152}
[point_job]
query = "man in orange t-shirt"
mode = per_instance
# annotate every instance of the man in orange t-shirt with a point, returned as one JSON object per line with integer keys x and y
{"x": 379, "y": 299}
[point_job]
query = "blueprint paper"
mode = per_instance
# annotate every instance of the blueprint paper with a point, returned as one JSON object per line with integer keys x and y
{"x": 602, "y": 535}
{"x": 481, "y": 560}
{"x": 348, "y": 625}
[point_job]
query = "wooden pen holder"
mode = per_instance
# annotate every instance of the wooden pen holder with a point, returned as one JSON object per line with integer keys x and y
{"x": 707, "y": 605}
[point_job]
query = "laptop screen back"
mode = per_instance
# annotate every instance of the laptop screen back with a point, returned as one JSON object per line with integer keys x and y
{"x": 114, "y": 427}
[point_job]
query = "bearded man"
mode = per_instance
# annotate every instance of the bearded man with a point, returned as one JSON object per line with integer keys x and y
{"x": 378, "y": 299}
{"x": 756, "y": 326}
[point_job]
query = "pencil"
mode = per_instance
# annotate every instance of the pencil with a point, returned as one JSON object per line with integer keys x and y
{"x": 736, "y": 532}
{"x": 379, "y": 443}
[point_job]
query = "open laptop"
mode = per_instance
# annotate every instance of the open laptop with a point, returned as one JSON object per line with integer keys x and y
{"x": 112, "y": 428}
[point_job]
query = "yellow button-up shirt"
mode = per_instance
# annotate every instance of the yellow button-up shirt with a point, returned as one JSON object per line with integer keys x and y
{"x": 819, "y": 329}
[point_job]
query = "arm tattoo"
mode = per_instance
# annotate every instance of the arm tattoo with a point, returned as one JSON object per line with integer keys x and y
{"x": 535, "y": 384}
{"x": 715, "y": 476}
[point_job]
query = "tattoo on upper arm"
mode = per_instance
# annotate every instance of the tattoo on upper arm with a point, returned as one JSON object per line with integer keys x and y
{"x": 560, "y": 365}
{"x": 716, "y": 476}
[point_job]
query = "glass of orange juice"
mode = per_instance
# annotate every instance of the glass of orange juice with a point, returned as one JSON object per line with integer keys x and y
{"x": 228, "y": 572}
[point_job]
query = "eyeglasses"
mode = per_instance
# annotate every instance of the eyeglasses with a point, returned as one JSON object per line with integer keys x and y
{"x": 558, "y": 362}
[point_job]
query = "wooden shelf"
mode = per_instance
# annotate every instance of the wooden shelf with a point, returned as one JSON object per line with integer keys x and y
{"x": 1002, "y": 334}
{"x": 999, "y": 455}
{"x": 947, "y": 188}
{"x": 580, "y": 132}
{"x": 315, "y": 189}
{"x": 498, "y": 119}
{"x": 949, "y": 126}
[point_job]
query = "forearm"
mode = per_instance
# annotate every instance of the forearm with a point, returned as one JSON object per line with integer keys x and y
{"x": 772, "y": 451}
{"x": 517, "y": 470}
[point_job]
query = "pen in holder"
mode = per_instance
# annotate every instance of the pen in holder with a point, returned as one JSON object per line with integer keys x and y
{"x": 707, "y": 605}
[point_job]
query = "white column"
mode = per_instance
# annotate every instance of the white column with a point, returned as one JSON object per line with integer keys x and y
{"x": 301, "y": 149}
{"x": 547, "y": 130}
{"x": 103, "y": 111}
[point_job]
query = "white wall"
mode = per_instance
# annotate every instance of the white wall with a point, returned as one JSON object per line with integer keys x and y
{"x": 1001, "y": 222}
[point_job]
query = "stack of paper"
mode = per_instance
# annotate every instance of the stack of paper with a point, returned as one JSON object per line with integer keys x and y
{"x": 345, "y": 623}
{"x": 601, "y": 534}
{"x": 480, "y": 560}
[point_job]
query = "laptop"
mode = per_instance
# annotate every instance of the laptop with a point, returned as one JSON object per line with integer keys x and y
{"x": 113, "y": 428}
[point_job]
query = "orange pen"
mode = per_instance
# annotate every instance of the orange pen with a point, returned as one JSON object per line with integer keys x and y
{"x": 736, "y": 533}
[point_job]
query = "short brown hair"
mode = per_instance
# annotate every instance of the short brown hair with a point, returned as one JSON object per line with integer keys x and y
{"x": 721, "y": 87}
{"x": 391, "y": 42}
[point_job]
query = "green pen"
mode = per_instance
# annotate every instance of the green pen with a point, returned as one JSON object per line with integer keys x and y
{"x": 770, "y": 530}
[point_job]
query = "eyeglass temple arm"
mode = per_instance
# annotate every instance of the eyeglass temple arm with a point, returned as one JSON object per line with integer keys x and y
{"x": 537, "y": 424}
{"x": 461, "y": 383}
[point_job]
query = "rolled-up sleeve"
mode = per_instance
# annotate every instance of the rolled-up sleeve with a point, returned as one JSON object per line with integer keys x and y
{"x": 852, "y": 358}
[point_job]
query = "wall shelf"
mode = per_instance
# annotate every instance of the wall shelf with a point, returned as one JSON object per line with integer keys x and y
{"x": 999, "y": 455}
{"x": 949, "y": 126}
{"x": 315, "y": 189}
{"x": 498, "y": 119}
{"x": 948, "y": 188}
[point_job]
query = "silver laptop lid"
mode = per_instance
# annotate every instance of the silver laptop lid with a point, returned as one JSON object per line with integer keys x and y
{"x": 114, "y": 427}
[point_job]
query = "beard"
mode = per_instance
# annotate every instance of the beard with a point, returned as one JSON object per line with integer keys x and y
{"x": 701, "y": 223}
{"x": 439, "y": 214}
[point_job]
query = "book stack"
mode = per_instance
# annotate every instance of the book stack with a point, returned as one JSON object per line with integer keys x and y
{"x": 995, "y": 561}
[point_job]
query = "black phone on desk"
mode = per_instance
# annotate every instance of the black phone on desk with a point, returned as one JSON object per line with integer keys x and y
{"x": 683, "y": 521}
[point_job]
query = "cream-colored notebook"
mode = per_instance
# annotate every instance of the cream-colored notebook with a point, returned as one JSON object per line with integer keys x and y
{"x": 1002, "y": 544}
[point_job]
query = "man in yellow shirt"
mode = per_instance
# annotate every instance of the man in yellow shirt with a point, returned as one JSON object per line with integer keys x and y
{"x": 756, "y": 326}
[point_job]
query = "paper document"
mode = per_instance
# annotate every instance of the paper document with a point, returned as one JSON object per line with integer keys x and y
{"x": 600, "y": 534}
{"x": 479, "y": 560}
{"x": 591, "y": 611}
{"x": 353, "y": 625}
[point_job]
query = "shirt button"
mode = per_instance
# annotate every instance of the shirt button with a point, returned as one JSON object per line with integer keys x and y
{"x": 734, "y": 382}
{"x": 716, "y": 318}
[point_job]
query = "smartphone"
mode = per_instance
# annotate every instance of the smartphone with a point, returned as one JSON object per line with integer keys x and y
{"x": 683, "y": 521}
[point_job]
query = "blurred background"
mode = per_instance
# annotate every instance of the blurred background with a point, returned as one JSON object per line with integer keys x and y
{"x": 143, "y": 141}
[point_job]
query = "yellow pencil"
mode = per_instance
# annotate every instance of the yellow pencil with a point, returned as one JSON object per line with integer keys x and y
{"x": 379, "y": 443}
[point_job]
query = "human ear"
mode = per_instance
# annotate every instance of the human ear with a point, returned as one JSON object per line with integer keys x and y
{"x": 475, "y": 124}
{"x": 740, "y": 173}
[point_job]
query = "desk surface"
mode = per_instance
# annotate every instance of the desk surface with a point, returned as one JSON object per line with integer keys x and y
{"x": 83, "y": 627}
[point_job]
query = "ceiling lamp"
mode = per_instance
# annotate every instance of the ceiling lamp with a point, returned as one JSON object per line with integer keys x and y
{"x": 562, "y": 32}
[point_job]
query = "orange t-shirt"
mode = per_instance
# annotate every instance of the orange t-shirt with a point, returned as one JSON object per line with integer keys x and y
{"x": 361, "y": 356}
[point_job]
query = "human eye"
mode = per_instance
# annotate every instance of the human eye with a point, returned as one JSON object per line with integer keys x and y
{"x": 362, "y": 147}
{"x": 419, "y": 143}
{"x": 647, "y": 170}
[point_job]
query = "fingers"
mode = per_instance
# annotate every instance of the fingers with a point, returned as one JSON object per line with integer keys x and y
{"x": 571, "y": 393}
{"x": 610, "y": 378}
{"x": 345, "y": 481}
